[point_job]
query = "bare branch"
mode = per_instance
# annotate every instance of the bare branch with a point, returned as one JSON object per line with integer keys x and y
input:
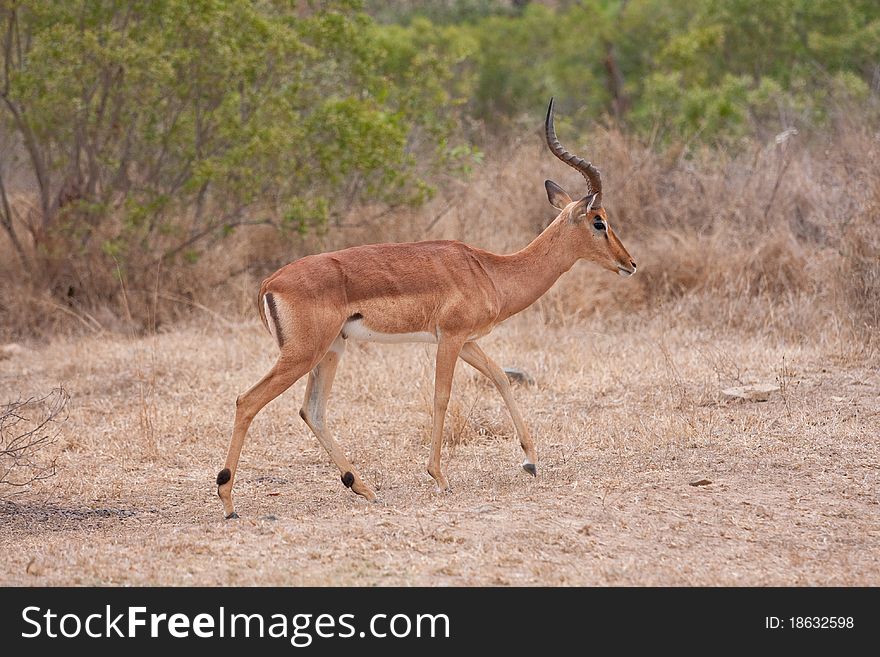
{"x": 213, "y": 227}
{"x": 27, "y": 429}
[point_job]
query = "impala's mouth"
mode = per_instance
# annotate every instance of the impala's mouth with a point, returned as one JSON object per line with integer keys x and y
{"x": 623, "y": 271}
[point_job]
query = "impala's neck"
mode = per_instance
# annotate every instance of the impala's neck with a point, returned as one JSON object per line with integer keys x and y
{"x": 523, "y": 277}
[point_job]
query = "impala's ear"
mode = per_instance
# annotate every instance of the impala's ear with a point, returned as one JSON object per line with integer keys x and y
{"x": 582, "y": 208}
{"x": 556, "y": 195}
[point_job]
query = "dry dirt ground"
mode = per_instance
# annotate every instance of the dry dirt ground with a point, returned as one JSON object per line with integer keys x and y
{"x": 627, "y": 416}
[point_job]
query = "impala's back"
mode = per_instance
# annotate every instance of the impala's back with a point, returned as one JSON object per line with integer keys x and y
{"x": 409, "y": 292}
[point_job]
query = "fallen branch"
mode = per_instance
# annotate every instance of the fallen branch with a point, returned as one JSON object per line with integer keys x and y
{"x": 28, "y": 428}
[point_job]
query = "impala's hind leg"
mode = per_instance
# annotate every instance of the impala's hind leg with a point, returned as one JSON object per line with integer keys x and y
{"x": 283, "y": 375}
{"x": 300, "y": 352}
{"x": 313, "y": 412}
{"x": 477, "y": 358}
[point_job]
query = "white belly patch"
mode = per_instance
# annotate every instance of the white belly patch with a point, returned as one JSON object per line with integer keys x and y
{"x": 357, "y": 330}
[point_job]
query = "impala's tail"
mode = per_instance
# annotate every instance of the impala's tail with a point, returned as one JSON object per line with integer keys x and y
{"x": 260, "y": 308}
{"x": 269, "y": 314}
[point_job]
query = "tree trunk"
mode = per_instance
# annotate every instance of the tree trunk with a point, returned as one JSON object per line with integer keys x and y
{"x": 619, "y": 100}
{"x": 6, "y": 221}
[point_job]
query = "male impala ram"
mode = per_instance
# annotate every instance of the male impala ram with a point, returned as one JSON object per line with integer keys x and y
{"x": 443, "y": 292}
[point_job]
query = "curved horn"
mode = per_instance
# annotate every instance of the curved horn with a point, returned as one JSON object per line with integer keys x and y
{"x": 586, "y": 169}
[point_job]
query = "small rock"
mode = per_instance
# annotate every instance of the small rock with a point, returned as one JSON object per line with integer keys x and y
{"x": 701, "y": 482}
{"x": 754, "y": 392}
{"x": 516, "y": 375}
{"x": 10, "y": 350}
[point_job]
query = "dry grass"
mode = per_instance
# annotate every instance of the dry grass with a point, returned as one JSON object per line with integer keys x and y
{"x": 627, "y": 414}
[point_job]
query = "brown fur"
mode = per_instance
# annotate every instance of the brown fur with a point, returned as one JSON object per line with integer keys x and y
{"x": 395, "y": 288}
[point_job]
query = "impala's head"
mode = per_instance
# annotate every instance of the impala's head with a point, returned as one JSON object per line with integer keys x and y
{"x": 586, "y": 218}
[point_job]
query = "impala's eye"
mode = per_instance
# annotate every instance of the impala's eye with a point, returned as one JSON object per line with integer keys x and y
{"x": 598, "y": 224}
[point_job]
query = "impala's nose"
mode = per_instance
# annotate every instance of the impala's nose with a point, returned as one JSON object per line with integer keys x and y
{"x": 633, "y": 263}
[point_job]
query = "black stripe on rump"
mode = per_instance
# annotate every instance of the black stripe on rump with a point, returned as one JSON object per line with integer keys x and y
{"x": 273, "y": 313}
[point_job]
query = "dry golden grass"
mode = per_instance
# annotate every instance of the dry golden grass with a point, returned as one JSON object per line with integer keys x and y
{"x": 627, "y": 414}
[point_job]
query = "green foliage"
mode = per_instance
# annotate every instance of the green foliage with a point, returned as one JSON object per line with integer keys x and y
{"x": 431, "y": 74}
{"x": 745, "y": 65}
{"x": 708, "y": 70}
{"x": 184, "y": 119}
{"x": 440, "y": 12}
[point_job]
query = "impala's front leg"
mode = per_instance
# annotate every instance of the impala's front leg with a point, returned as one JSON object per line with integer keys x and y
{"x": 477, "y": 358}
{"x": 447, "y": 355}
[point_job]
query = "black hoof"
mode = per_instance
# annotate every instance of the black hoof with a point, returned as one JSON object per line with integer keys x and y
{"x": 232, "y": 516}
{"x": 531, "y": 469}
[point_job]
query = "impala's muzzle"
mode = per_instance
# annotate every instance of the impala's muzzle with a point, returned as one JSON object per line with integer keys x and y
{"x": 627, "y": 271}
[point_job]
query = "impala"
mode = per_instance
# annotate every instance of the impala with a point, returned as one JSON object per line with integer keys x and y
{"x": 443, "y": 292}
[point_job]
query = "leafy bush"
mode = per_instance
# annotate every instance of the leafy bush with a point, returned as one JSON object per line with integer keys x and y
{"x": 150, "y": 129}
{"x": 710, "y": 70}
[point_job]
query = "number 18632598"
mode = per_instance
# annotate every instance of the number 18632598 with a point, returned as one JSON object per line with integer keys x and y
{"x": 809, "y": 622}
